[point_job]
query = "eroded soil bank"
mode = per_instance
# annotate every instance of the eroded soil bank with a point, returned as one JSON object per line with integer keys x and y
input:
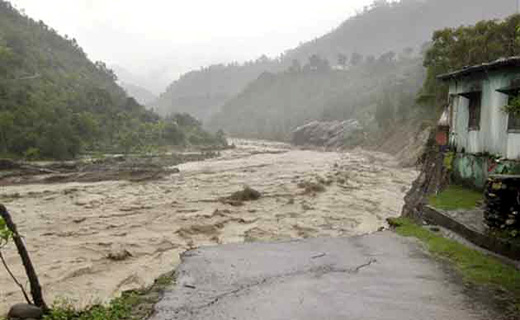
{"x": 90, "y": 241}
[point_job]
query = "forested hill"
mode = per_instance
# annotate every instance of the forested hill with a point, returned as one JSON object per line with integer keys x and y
{"x": 380, "y": 28}
{"x": 378, "y": 94}
{"x": 56, "y": 103}
{"x": 386, "y": 26}
{"x": 140, "y": 94}
{"x": 202, "y": 92}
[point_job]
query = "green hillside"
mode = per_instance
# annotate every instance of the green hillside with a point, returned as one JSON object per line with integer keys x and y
{"x": 56, "y": 103}
{"x": 383, "y": 27}
{"x": 375, "y": 93}
{"x": 393, "y": 26}
{"x": 202, "y": 92}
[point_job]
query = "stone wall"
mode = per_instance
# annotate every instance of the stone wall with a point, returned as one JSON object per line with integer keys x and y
{"x": 503, "y": 203}
{"x": 433, "y": 177}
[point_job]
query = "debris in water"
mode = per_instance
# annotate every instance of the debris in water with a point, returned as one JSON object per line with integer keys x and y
{"x": 238, "y": 198}
{"x": 311, "y": 187}
{"x": 119, "y": 255}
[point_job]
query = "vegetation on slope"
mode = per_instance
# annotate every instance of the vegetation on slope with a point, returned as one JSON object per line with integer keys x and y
{"x": 396, "y": 25}
{"x": 202, "y": 92}
{"x": 455, "y": 48}
{"x": 140, "y": 94}
{"x": 55, "y": 103}
{"x": 475, "y": 267}
{"x": 378, "y": 93}
{"x": 383, "y": 27}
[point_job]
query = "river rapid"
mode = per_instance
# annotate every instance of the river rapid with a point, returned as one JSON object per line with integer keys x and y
{"x": 91, "y": 241}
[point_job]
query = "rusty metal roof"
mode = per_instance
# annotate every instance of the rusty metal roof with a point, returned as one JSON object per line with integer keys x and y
{"x": 501, "y": 63}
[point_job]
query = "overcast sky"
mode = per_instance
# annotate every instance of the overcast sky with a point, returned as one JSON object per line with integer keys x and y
{"x": 167, "y": 37}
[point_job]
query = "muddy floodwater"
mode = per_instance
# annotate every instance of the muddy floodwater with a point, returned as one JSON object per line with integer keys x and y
{"x": 90, "y": 241}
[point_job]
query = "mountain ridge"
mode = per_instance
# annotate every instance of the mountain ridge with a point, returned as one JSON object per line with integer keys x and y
{"x": 386, "y": 24}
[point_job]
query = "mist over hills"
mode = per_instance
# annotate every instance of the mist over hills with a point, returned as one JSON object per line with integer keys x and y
{"x": 202, "y": 92}
{"x": 222, "y": 96}
{"x": 276, "y": 103}
{"x": 387, "y": 27}
{"x": 56, "y": 104}
{"x": 140, "y": 94}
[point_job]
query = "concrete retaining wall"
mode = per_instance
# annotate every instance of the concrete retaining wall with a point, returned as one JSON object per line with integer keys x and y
{"x": 499, "y": 246}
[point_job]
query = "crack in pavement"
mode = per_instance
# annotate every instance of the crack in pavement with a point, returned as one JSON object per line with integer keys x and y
{"x": 319, "y": 271}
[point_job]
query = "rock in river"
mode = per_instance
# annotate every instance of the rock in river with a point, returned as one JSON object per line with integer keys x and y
{"x": 332, "y": 134}
{"x": 24, "y": 311}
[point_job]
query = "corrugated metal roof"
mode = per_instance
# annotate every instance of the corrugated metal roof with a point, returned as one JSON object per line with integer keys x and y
{"x": 497, "y": 64}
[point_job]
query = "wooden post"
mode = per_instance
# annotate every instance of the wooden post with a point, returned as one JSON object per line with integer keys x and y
{"x": 36, "y": 290}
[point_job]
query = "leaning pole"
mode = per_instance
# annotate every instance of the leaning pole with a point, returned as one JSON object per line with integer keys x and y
{"x": 36, "y": 290}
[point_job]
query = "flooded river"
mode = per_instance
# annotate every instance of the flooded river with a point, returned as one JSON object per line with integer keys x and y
{"x": 90, "y": 241}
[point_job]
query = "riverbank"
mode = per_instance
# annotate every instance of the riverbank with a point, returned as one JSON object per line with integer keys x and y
{"x": 458, "y": 282}
{"x": 74, "y": 230}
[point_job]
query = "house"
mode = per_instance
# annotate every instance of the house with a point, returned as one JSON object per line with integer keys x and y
{"x": 479, "y": 128}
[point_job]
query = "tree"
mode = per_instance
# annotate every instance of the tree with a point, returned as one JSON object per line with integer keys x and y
{"x": 407, "y": 53}
{"x": 356, "y": 59}
{"x": 455, "y": 48}
{"x": 8, "y": 231}
{"x": 387, "y": 57}
{"x": 296, "y": 66}
{"x": 371, "y": 59}
{"x": 342, "y": 60}
{"x": 6, "y": 126}
{"x": 316, "y": 63}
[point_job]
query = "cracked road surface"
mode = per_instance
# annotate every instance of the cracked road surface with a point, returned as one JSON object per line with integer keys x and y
{"x": 378, "y": 276}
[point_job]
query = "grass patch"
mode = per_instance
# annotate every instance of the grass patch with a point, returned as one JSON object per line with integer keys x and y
{"x": 456, "y": 197}
{"x": 475, "y": 266}
{"x": 132, "y": 305}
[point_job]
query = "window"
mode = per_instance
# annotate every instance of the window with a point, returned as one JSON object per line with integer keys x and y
{"x": 475, "y": 101}
{"x": 513, "y": 122}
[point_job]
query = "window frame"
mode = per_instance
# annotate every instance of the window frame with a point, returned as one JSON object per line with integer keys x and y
{"x": 474, "y": 103}
{"x": 516, "y": 128}
{"x": 512, "y": 91}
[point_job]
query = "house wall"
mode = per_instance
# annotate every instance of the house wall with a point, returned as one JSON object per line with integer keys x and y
{"x": 492, "y": 137}
{"x": 474, "y": 170}
{"x": 471, "y": 170}
{"x": 513, "y": 146}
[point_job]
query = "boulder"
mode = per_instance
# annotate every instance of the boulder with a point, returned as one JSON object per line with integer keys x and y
{"x": 24, "y": 311}
{"x": 330, "y": 134}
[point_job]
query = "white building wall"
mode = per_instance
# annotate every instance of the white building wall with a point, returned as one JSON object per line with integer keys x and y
{"x": 492, "y": 136}
{"x": 513, "y": 146}
{"x": 494, "y": 120}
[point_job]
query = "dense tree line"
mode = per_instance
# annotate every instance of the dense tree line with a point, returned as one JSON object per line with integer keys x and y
{"x": 56, "y": 103}
{"x": 385, "y": 30}
{"x": 202, "y": 92}
{"x": 395, "y": 25}
{"x": 377, "y": 92}
{"x": 454, "y": 48}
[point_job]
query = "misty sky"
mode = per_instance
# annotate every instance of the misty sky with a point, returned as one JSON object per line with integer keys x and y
{"x": 160, "y": 39}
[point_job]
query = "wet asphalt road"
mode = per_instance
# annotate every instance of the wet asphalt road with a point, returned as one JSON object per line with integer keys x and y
{"x": 378, "y": 276}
